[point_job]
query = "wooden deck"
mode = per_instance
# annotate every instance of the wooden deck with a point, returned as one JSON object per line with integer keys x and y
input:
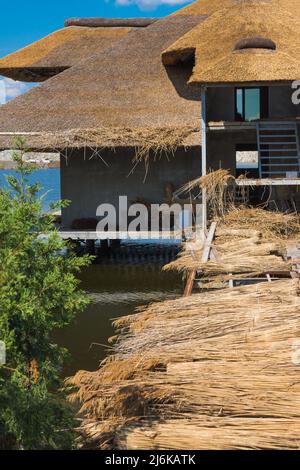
{"x": 94, "y": 235}
{"x": 268, "y": 182}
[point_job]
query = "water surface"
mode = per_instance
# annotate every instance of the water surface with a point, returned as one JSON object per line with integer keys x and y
{"x": 115, "y": 291}
{"x": 48, "y": 178}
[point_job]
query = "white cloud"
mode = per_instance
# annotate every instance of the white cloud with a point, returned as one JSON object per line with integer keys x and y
{"x": 151, "y": 4}
{"x": 2, "y": 92}
{"x": 9, "y": 89}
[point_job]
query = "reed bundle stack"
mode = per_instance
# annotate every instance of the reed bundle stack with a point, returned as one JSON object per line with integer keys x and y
{"x": 220, "y": 188}
{"x": 216, "y": 370}
{"x": 259, "y": 247}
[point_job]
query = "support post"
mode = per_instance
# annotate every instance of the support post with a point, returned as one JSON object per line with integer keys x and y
{"x": 90, "y": 247}
{"x": 203, "y": 155}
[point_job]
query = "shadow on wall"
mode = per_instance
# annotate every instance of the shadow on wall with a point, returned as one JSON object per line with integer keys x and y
{"x": 88, "y": 182}
{"x": 179, "y": 75}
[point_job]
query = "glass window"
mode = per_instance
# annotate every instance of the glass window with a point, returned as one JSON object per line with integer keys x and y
{"x": 239, "y": 104}
{"x": 252, "y": 104}
{"x": 248, "y": 104}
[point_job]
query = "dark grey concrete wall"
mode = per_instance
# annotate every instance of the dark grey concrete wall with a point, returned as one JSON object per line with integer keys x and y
{"x": 88, "y": 182}
{"x": 280, "y": 103}
{"x": 221, "y": 148}
{"x": 221, "y": 103}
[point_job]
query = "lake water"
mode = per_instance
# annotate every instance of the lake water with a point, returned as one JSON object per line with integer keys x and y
{"x": 49, "y": 179}
{"x": 114, "y": 290}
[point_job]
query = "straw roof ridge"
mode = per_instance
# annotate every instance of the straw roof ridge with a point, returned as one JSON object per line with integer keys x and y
{"x": 133, "y": 91}
{"x": 110, "y": 22}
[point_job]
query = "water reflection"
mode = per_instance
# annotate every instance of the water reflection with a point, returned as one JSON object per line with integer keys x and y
{"x": 115, "y": 291}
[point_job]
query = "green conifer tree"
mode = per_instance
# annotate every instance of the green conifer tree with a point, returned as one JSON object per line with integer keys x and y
{"x": 39, "y": 292}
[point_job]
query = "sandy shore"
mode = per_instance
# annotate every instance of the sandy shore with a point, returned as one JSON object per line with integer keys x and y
{"x": 40, "y": 160}
{"x": 9, "y": 165}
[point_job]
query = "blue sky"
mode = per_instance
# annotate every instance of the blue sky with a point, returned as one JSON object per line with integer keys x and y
{"x": 23, "y": 22}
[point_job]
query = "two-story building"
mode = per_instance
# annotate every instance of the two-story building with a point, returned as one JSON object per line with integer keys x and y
{"x": 138, "y": 106}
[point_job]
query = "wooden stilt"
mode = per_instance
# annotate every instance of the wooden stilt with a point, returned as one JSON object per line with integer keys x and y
{"x": 207, "y": 247}
{"x": 90, "y": 247}
{"x": 190, "y": 283}
{"x": 203, "y": 155}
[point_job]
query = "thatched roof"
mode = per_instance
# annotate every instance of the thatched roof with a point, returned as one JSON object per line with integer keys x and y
{"x": 58, "y": 51}
{"x": 214, "y": 43}
{"x": 205, "y": 7}
{"x": 121, "y": 96}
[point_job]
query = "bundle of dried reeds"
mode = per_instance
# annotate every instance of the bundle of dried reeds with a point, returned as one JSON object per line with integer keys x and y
{"x": 257, "y": 248}
{"x": 219, "y": 187}
{"x": 271, "y": 224}
{"x": 237, "y": 257}
{"x": 221, "y": 367}
{"x": 204, "y": 432}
